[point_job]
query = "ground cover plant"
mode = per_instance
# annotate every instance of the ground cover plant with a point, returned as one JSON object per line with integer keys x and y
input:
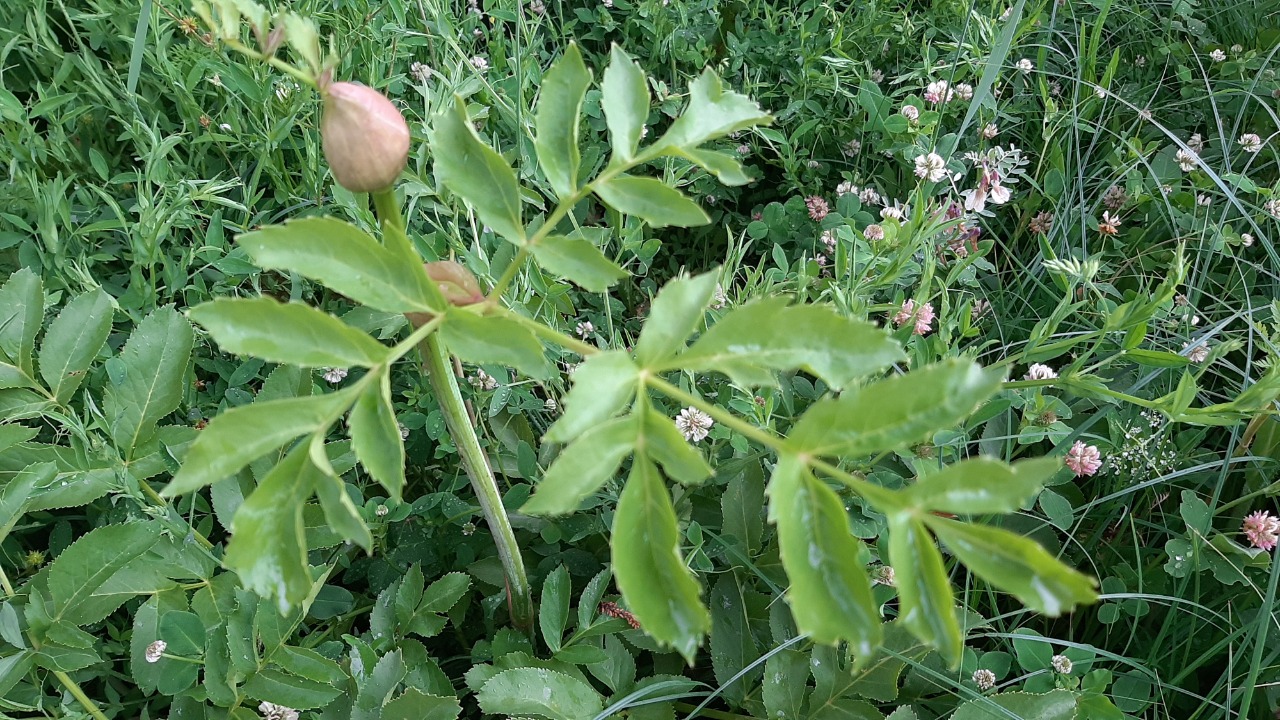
{"x": 660, "y": 359}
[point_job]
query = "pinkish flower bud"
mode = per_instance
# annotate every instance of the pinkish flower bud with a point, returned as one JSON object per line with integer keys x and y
{"x": 366, "y": 140}
{"x": 458, "y": 285}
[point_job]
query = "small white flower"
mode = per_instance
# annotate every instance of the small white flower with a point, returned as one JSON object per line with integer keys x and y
{"x": 216, "y": 80}
{"x": 483, "y": 381}
{"x": 873, "y": 232}
{"x": 1246, "y": 239}
{"x": 272, "y": 711}
{"x": 1005, "y": 15}
{"x": 931, "y": 167}
{"x": 845, "y": 188}
{"x": 1039, "y": 371}
{"x": 1140, "y": 61}
{"x": 990, "y": 131}
{"x": 1237, "y": 48}
{"x": 1217, "y": 55}
{"x": 1025, "y": 66}
{"x": 225, "y": 126}
{"x": 334, "y": 376}
{"x": 852, "y": 148}
{"x": 155, "y": 651}
{"x": 964, "y": 91}
{"x": 382, "y": 511}
{"x": 1250, "y": 142}
{"x": 884, "y": 575}
{"x": 1061, "y": 663}
{"x": 869, "y": 196}
{"x": 984, "y": 679}
{"x": 1145, "y": 114}
{"x": 910, "y": 112}
{"x": 480, "y": 63}
{"x": 1196, "y": 143}
{"x": 877, "y": 76}
{"x": 585, "y": 328}
{"x": 550, "y": 404}
{"x": 1272, "y": 207}
{"x": 719, "y": 299}
{"x": 404, "y": 431}
{"x": 1100, "y": 92}
{"x": 1197, "y": 353}
{"x": 694, "y": 424}
{"x": 1186, "y": 160}
{"x": 895, "y": 211}
{"x": 421, "y": 72}
{"x": 1203, "y": 200}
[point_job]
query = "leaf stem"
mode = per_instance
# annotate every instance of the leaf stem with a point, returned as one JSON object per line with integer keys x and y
{"x": 271, "y": 60}
{"x": 444, "y": 383}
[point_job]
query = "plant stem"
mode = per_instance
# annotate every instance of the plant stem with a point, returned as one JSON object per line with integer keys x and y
{"x": 445, "y": 385}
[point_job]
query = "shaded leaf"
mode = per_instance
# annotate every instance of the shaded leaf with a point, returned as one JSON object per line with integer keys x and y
{"x": 648, "y": 566}
{"x": 582, "y": 467}
{"x": 149, "y": 384}
{"x": 712, "y": 112}
{"x": 489, "y": 339}
{"x": 553, "y": 607}
{"x": 476, "y": 173}
{"x": 538, "y": 691}
{"x": 1054, "y": 705}
{"x": 21, "y": 315}
{"x": 625, "y": 100}
{"x": 375, "y": 436}
{"x": 677, "y": 311}
{"x": 287, "y": 333}
{"x": 72, "y": 342}
{"x": 579, "y": 260}
{"x": 663, "y": 442}
{"x": 652, "y": 201}
{"x": 559, "y": 102}
{"x": 602, "y": 385}
{"x": 927, "y": 607}
{"x": 89, "y": 563}
{"x": 982, "y": 485}
{"x": 281, "y": 688}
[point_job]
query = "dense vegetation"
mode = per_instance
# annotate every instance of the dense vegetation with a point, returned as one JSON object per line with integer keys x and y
{"x": 741, "y": 327}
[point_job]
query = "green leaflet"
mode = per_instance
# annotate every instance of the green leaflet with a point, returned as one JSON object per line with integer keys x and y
{"x": 375, "y": 436}
{"x": 476, "y": 173}
{"x": 90, "y": 562}
{"x": 830, "y": 593}
{"x": 625, "y": 100}
{"x": 579, "y": 260}
{"x": 894, "y": 413}
{"x": 647, "y": 563}
{"x": 925, "y": 599}
{"x": 73, "y": 341}
{"x": 1017, "y": 565}
{"x": 982, "y": 485}
{"x": 756, "y": 340}
{"x": 712, "y": 112}
{"x": 677, "y": 311}
{"x": 602, "y": 385}
{"x": 21, "y": 315}
{"x": 583, "y": 467}
{"x": 559, "y": 106}
{"x": 491, "y": 339}
{"x": 652, "y": 201}
{"x": 286, "y": 332}
{"x": 558, "y": 696}
{"x": 149, "y": 386}
{"x": 345, "y": 259}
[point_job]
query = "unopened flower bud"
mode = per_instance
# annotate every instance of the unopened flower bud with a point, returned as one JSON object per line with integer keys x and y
{"x": 458, "y": 285}
{"x": 365, "y": 138}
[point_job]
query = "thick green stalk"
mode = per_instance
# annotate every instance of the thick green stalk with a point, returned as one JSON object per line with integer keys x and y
{"x": 445, "y": 385}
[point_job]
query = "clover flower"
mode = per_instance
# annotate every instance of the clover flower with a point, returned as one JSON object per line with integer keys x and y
{"x": 155, "y": 651}
{"x": 1263, "y": 529}
{"x": 1061, "y": 663}
{"x": 1040, "y": 371}
{"x": 984, "y": 679}
{"x": 818, "y": 207}
{"x": 1250, "y": 142}
{"x": 272, "y": 711}
{"x": 931, "y": 167}
{"x": 1197, "y": 354}
{"x": 585, "y": 328}
{"x": 1025, "y": 66}
{"x": 334, "y": 376}
{"x": 694, "y": 424}
{"x": 1083, "y": 459}
{"x": 1186, "y": 160}
{"x": 921, "y": 316}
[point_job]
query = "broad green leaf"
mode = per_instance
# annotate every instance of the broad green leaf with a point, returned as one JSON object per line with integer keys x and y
{"x": 91, "y": 561}
{"x": 308, "y": 664}
{"x": 441, "y": 595}
{"x": 582, "y": 467}
{"x": 286, "y": 333}
{"x": 625, "y": 100}
{"x": 268, "y": 546}
{"x": 16, "y": 494}
{"x": 414, "y": 704}
{"x": 849, "y": 709}
{"x": 712, "y": 112}
{"x": 21, "y": 315}
{"x": 894, "y": 413}
{"x": 578, "y": 259}
{"x": 11, "y": 376}
{"x": 339, "y": 510}
{"x": 281, "y": 688}
{"x": 726, "y": 168}
{"x": 183, "y": 632}
{"x": 755, "y": 340}
{"x": 13, "y": 668}
{"x": 241, "y": 435}
{"x": 378, "y": 686}
{"x": 375, "y": 436}
{"x": 662, "y": 440}
{"x": 742, "y": 507}
{"x": 1157, "y": 358}
{"x": 1053, "y": 705}
{"x": 602, "y": 385}
{"x": 926, "y": 604}
{"x": 73, "y": 341}
{"x": 830, "y": 593}
{"x": 559, "y": 105}
{"x": 146, "y": 630}
{"x": 541, "y": 692}
{"x": 345, "y": 259}
{"x": 490, "y": 339}
{"x": 652, "y": 201}
{"x": 677, "y": 311}
{"x": 476, "y": 173}
{"x": 732, "y": 644}
{"x": 149, "y": 384}
{"x": 1015, "y": 564}
{"x": 648, "y": 566}
{"x": 553, "y": 607}
{"x": 982, "y": 485}
{"x": 786, "y": 680}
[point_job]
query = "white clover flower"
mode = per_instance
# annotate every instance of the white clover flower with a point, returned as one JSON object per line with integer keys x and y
{"x": 719, "y": 300}
{"x": 852, "y": 148}
{"x": 550, "y": 404}
{"x": 1140, "y": 61}
{"x": 873, "y": 232}
{"x": 334, "y": 376}
{"x": 1026, "y": 66}
{"x": 1061, "y": 663}
{"x": 1250, "y": 142}
{"x": 480, "y": 63}
{"x": 1246, "y": 239}
{"x": 931, "y": 167}
{"x": 1203, "y": 200}
{"x": 382, "y": 511}
{"x": 1039, "y": 371}
{"x": 877, "y": 76}
{"x": 964, "y": 91}
{"x": 1197, "y": 353}
{"x": 1272, "y": 208}
{"x": 990, "y": 131}
{"x": 884, "y": 575}
{"x": 845, "y": 188}
{"x": 585, "y": 328}
{"x": 483, "y": 381}
{"x": 894, "y": 211}
{"x": 984, "y": 679}
{"x": 155, "y": 651}
{"x": 272, "y": 711}
{"x": 421, "y": 72}
{"x": 404, "y": 431}
{"x": 1186, "y": 160}
{"x": 225, "y": 126}
{"x": 910, "y": 112}
{"x": 1217, "y": 55}
{"x": 938, "y": 92}
{"x": 1237, "y": 48}
{"x": 694, "y": 424}
{"x": 869, "y": 196}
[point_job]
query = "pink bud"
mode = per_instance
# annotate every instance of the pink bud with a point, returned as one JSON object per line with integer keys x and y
{"x": 458, "y": 285}
{"x": 366, "y": 140}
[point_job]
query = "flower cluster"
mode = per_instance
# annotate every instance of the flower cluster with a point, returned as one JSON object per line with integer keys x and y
{"x": 694, "y": 424}
{"x": 1147, "y": 450}
{"x": 1084, "y": 459}
{"x": 1263, "y": 530}
{"x": 921, "y": 316}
